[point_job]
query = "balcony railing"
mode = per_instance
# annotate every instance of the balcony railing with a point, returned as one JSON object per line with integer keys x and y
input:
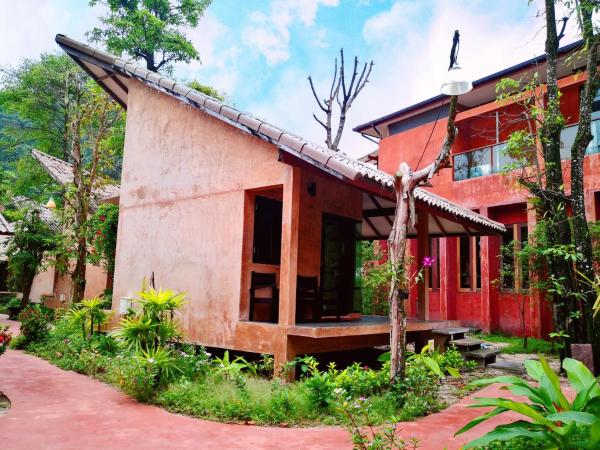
{"x": 494, "y": 159}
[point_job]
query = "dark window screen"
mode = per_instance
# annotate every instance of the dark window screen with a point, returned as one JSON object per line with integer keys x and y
{"x": 267, "y": 231}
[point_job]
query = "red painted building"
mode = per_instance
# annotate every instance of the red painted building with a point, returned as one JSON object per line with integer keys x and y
{"x": 465, "y": 284}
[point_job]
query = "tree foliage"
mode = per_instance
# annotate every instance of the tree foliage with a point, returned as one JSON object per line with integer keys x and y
{"x": 150, "y": 30}
{"x": 564, "y": 241}
{"x": 102, "y": 235}
{"x": 28, "y": 250}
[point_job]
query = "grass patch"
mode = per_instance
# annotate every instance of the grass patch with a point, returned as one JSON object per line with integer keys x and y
{"x": 515, "y": 344}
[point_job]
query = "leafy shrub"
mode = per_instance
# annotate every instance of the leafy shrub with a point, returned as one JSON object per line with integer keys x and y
{"x": 35, "y": 322}
{"x": 193, "y": 362}
{"x": 451, "y": 359}
{"x": 5, "y": 338}
{"x": 153, "y": 326}
{"x": 552, "y": 420}
{"x": 417, "y": 393}
{"x": 361, "y": 381}
{"x": 133, "y": 375}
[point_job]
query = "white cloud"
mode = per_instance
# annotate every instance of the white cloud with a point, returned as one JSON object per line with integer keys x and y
{"x": 269, "y": 34}
{"x": 28, "y": 27}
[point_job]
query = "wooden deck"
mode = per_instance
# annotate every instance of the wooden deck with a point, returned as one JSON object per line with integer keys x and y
{"x": 367, "y": 325}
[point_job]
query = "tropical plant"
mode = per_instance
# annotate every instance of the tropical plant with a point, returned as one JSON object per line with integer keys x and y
{"x": 87, "y": 314}
{"x": 551, "y": 418}
{"x": 232, "y": 368}
{"x": 437, "y": 363}
{"x": 161, "y": 362}
{"x": 102, "y": 236}
{"x": 153, "y": 325}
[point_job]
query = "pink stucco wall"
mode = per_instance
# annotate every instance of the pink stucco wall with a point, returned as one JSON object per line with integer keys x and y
{"x": 186, "y": 195}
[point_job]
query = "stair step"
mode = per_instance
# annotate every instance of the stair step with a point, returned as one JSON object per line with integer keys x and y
{"x": 483, "y": 356}
{"x": 450, "y": 331}
{"x": 508, "y": 366}
{"x": 483, "y": 353}
{"x": 467, "y": 343}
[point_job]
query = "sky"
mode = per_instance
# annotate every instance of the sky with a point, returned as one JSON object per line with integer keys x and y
{"x": 260, "y": 52}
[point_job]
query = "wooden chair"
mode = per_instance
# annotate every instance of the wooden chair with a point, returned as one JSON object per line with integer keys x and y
{"x": 307, "y": 297}
{"x": 330, "y": 307}
{"x": 260, "y": 281}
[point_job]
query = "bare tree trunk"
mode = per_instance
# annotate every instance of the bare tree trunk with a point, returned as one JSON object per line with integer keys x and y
{"x": 405, "y": 183}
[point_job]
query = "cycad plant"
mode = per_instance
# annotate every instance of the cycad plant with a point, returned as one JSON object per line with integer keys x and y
{"x": 552, "y": 420}
{"x": 153, "y": 325}
{"x": 88, "y": 315}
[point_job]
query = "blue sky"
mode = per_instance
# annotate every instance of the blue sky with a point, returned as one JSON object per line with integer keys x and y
{"x": 259, "y": 52}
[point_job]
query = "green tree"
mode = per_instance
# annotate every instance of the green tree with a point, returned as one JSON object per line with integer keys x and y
{"x": 149, "y": 30}
{"x": 567, "y": 243}
{"x": 205, "y": 89}
{"x": 27, "y": 251}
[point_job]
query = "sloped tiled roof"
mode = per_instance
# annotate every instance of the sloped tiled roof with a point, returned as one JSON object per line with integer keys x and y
{"x": 6, "y": 227}
{"x": 113, "y": 74}
{"x": 62, "y": 172}
{"x": 46, "y": 214}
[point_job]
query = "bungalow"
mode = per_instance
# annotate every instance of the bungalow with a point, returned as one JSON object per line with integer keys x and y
{"x": 50, "y": 287}
{"x": 258, "y": 226}
{"x": 6, "y": 231}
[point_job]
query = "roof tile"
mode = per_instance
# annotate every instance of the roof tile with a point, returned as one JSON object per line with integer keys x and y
{"x": 197, "y": 97}
{"x": 271, "y": 131}
{"x": 251, "y": 122}
{"x": 212, "y": 104}
{"x": 230, "y": 113}
{"x": 181, "y": 89}
{"x": 291, "y": 141}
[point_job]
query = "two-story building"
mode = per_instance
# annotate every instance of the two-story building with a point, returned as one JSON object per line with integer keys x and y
{"x": 466, "y": 282}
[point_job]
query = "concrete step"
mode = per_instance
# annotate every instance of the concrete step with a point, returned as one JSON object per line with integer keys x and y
{"x": 450, "y": 331}
{"x": 508, "y": 366}
{"x": 483, "y": 356}
{"x": 467, "y": 344}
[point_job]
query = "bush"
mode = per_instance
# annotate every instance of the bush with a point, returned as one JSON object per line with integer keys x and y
{"x": 5, "y": 338}
{"x": 417, "y": 393}
{"x": 35, "y": 322}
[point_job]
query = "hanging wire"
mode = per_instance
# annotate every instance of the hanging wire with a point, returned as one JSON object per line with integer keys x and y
{"x": 437, "y": 118}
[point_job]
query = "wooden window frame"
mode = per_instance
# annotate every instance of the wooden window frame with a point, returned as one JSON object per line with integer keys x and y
{"x": 472, "y": 264}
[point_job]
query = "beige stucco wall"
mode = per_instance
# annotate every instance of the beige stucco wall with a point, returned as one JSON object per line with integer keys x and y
{"x": 186, "y": 207}
{"x": 44, "y": 284}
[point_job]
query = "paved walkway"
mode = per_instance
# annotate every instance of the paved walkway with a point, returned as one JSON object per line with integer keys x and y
{"x": 54, "y": 409}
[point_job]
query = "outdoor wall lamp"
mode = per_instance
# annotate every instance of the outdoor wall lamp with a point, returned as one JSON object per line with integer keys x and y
{"x": 125, "y": 304}
{"x": 456, "y": 81}
{"x": 51, "y": 204}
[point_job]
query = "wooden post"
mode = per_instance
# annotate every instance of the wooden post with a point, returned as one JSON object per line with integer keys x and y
{"x": 289, "y": 249}
{"x": 422, "y": 252}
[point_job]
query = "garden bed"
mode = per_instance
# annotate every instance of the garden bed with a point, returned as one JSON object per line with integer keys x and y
{"x": 188, "y": 380}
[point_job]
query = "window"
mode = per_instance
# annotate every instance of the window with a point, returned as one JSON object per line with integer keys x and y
{"x": 524, "y": 236}
{"x": 472, "y": 164}
{"x": 267, "y": 231}
{"x": 507, "y": 271}
{"x": 515, "y": 270}
{"x": 465, "y": 262}
{"x": 434, "y": 272}
{"x": 469, "y": 261}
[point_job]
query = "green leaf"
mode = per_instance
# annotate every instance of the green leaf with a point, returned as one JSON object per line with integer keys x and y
{"x": 534, "y": 369}
{"x": 580, "y": 377}
{"x": 480, "y": 419}
{"x": 506, "y": 433}
{"x": 384, "y": 357}
{"x": 551, "y": 382}
{"x": 574, "y": 416}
